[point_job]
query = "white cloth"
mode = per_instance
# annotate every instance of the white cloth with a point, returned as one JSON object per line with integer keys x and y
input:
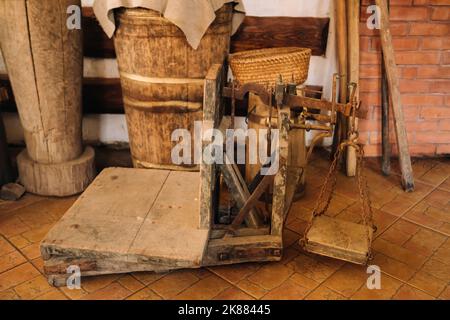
{"x": 193, "y": 17}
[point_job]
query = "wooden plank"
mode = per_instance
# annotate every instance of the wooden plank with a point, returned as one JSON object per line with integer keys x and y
{"x": 340, "y": 132}
{"x": 272, "y": 32}
{"x": 353, "y": 12}
{"x": 239, "y": 192}
{"x": 104, "y": 95}
{"x": 255, "y": 33}
{"x": 397, "y": 108}
{"x": 340, "y": 239}
{"x": 133, "y": 216}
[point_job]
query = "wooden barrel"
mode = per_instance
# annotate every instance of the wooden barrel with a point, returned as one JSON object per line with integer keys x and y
{"x": 162, "y": 79}
{"x": 257, "y": 120}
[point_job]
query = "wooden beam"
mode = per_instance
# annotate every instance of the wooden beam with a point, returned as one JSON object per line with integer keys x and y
{"x": 273, "y": 32}
{"x": 255, "y": 33}
{"x": 102, "y": 95}
{"x": 397, "y": 108}
{"x": 353, "y": 12}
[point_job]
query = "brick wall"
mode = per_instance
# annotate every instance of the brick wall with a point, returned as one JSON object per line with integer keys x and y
{"x": 421, "y": 35}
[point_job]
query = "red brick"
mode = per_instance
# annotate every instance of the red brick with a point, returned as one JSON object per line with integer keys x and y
{"x": 370, "y": 58}
{"x": 399, "y": 28}
{"x": 408, "y": 72}
{"x": 446, "y": 57}
{"x": 433, "y": 72}
{"x": 425, "y": 149}
{"x": 414, "y": 86}
{"x": 443, "y": 149}
{"x": 422, "y": 126}
{"x": 429, "y": 29}
{"x": 370, "y": 99}
{"x": 442, "y": 14}
{"x": 413, "y": 57}
{"x": 400, "y": 44}
{"x": 435, "y": 112}
{"x": 369, "y": 85}
{"x": 441, "y": 86}
{"x": 438, "y": 2}
{"x": 370, "y": 71}
{"x": 435, "y": 43}
{"x": 435, "y": 137}
{"x": 373, "y": 150}
{"x": 408, "y": 13}
{"x": 422, "y": 100}
{"x": 444, "y": 125}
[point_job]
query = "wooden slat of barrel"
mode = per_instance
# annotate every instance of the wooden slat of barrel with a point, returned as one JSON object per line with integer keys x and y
{"x": 162, "y": 78}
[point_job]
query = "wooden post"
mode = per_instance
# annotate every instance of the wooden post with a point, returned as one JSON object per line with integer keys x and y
{"x": 393, "y": 82}
{"x": 385, "y": 139}
{"x": 353, "y": 12}
{"x": 45, "y": 66}
{"x": 6, "y": 174}
{"x": 341, "y": 43}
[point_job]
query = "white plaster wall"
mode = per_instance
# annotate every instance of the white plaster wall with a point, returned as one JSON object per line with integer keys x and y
{"x": 112, "y": 128}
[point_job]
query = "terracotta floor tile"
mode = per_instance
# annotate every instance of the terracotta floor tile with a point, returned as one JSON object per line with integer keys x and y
{"x": 33, "y": 288}
{"x": 289, "y": 254}
{"x": 144, "y": 294}
{"x": 398, "y": 206}
{"x": 289, "y": 237}
{"x": 324, "y": 293}
{"x": 5, "y": 247}
{"x": 92, "y": 284}
{"x": 298, "y": 226}
{"x": 437, "y": 269}
{"x": 271, "y": 275}
{"x": 7, "y": 207}
{"x": 11, "y": 260}
{"x": 300, "y": 212}
{"x": 409, "y": 293}
{"x": 9, "y": 295}
{"x": 114, "y": 291}
{"x": 74, "y": 294}
{"x": 400, "y": 232}
{"x": 411, "y": 258}
{"x": 39, "y": 264}
{"x": 233, "y": 293}
{"x": 52, "y": 295}
{"x": 304, "y": 281}
{"x": 16, "y": 276}
{"x": 204, "y": 289}
{"x": 393, "y": 267}
{"x": 436, "y": 175}
{"x": 37, "y": 234}
{"x": 288, "y": 290}
{"x": 148, "y": 277}
{"x": 130, "y": 283}
{"x": 252, "y": 289}
{"x": 428, "y": 283}
{"x": 347, "y": 280}
{"x": 389, "y": 287}
{"x": 235, "y": 273}
{"x": 445, "y": 295}
{"x": 425, "y": 242}
{"x": 11, "y": 226}
{"x": 443, "y": 253}
{"x": 32, "y": 251}
{"x": 445, "y": 185}
{"x": 311, "y": 268}
{"x": 19, "y": 241}
{"x": 174, "y": 283}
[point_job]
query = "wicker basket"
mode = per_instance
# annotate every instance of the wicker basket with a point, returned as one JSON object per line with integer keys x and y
{"x": 265, "y": 65}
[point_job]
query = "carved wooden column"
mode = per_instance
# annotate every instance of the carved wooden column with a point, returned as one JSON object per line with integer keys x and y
{"x": 45, "y": 65}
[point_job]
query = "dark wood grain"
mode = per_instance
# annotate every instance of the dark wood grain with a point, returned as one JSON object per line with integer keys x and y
{"x": 6, "y": 173}
{"x": 96, "y": 42}
{"x": 273, "y": 32}
{"x": 255, "y": 33}
{"x": 101, "y": 95}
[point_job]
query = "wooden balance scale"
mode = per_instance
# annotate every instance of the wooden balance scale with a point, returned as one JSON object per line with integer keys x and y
{"x": 131, "y": 220}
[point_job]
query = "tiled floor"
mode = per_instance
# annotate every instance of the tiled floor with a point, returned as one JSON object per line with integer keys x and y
{"x": 412, "y": 249}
